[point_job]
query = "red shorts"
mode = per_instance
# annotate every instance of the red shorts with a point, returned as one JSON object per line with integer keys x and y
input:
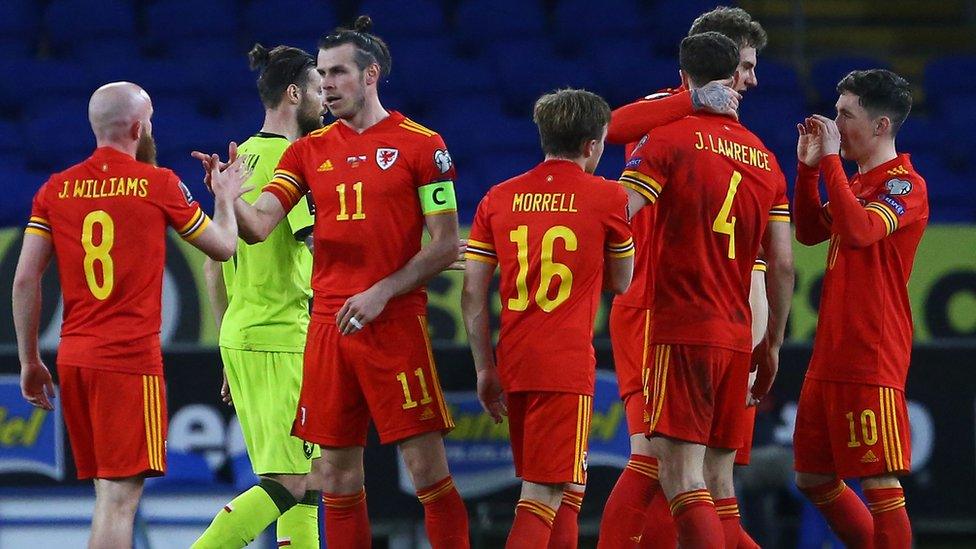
{"x": 698, "y": 394}
{"x": 851, "y": 430}
{"x": 116, "y": 422}
{"x": 744, "y": 453}
{"x": 550, "y": 435}
{"x": 384, "y": 372}
{"x": 629, "y": 332}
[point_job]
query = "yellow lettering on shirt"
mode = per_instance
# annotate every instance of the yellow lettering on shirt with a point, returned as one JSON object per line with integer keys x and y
{"x": 544, "y": 202}
{"x": 739, "y": 152}
{"x": 105, "y": 188}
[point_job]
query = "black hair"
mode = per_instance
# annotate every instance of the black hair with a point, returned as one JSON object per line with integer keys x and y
{"x": 736, "y": 23}
{"x": 567, "y": 119}
{"x": 708, "y": 56}
{"x": 881, "y": 93}
{"x": 369, "y": 47}
{"x": 279, "y": 68}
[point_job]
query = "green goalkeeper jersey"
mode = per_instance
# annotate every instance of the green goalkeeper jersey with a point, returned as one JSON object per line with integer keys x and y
{"x": 268, "y": 284}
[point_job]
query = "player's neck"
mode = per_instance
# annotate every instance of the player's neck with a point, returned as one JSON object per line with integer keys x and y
{"x": 371, "y": 114}
{"x": 281, "y": 122}
{"x": 125, "y": 148}
{"x": 579, "y": 161}
{"x": 879, "y": 156}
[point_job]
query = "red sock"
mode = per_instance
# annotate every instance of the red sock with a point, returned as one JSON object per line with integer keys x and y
{"x": 623, "y": 516}
{"x": 728, "y": 513}
{"x": 346, "y": 521}
{"x": 696, "y": 520}
{"x": 745, "y": 540}
{"x": 445, "y": 516}
{"x": 565, "y": 528}
{"x": 891, "y": 526}
{"x": 844, "y": 511}
{"x": 659, "y": 529}
{"x": 532, "y": 526}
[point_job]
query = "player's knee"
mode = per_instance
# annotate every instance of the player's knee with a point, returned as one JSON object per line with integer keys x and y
{"x": 809, "y": 480}
{"x": 880, "y": 482}
{"x": 295, "y": 484}
{"x": 338, "y": 479}
{"x": 425, "y": 471}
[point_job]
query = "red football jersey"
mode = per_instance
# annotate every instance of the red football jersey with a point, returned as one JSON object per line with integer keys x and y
{"x": 718, "y": 186}
{"x": 549, "y": 229}
{"x": 864, "y": 328}
{"x": 107, "y": 217}
{"x": 368, "y": 218}
{"x": 642, "y": 224}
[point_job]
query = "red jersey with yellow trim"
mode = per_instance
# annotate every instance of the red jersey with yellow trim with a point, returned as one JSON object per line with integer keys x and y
{"x": 642, "y": 224}
{"x": 718, "y": 186}
{"x": 550, "y": 229}
{"x": 107, "y": 218}
{"x": 368, "y": 218}
{"x": 864, "y": 328}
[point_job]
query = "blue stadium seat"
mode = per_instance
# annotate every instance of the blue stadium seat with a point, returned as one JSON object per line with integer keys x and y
{"x": 56, "y": 139}
{"x": 182, "y": 469}
{"x": 417, "y": 18}
{"x": 48, "y": 79}
{"x": 481, "y": 24}
{"x": 296, "y": 23}
{"x": 525, "y": 69}
{"x": 627, "y": 71}
{"x": 19, "y": 27}
{"x": 773, "y": 116}
{"x": 428, "y": 75}
{"x": 825, "y": 73}
{"x": 497, "y": 168}
{"x": 777, "y": 76}
{"x": 949, "y": 76}
{"x": 20, "y": 185}
{"x": 672, "y": 20}
{"x": 581, "y": 22}
{"x": 102, "y": 21}
{"x": 158, "y": 77}
{"x": 920, "y": 134}
{"x": 171, "y": 23}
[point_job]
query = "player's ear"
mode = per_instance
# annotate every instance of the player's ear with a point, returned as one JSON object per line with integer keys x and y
{"x": 882, "y": 125}
{"x": 589, "y": 147}
{"x": 135, "y": 130}
{"x": 372, "y": 74}
{"x": 293, "y": 94}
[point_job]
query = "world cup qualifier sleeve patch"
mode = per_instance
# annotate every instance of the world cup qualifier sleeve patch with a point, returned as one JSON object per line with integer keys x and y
{"x": 437, "y": 197}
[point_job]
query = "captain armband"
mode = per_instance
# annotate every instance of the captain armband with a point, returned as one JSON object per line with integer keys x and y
{"x": 437, "y": 198}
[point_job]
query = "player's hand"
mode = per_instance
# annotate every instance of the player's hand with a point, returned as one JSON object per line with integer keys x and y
{"x": 809, "y": 148}
{"x": 766, "y": 359}
{"x": 36, "y": 385}
{"x": 491, "y": 395}
{"x": 751, "y": 400}
{"x": 360, "y": 309}
{"x": 228, "y": 183}
{"x": 225, "y": 391}
{"x": 208, "y": 162}
{"x": 458, "y": 264}
{"x": 718, "y": 97}
{"x": 828, "y": 134}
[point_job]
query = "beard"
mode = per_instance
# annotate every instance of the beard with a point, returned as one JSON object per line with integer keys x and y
{"x": 310, "y": 118}
{"x": 146, "y": 151}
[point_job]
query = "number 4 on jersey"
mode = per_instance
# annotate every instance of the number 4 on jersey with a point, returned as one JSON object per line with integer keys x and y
{"x": 724, "y": 224}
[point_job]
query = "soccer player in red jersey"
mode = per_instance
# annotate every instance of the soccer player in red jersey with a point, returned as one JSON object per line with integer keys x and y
{"x": 636, "y": 504}
{"x": 852, "y": 420}
{"x": 719, "y": 187}
{"x": 105, "y": 222}
{"x": 377, "y": 179}
{"x": 558, "y": 234}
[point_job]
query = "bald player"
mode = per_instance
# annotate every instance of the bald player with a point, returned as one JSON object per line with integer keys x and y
{"x": 105, "y": 221}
